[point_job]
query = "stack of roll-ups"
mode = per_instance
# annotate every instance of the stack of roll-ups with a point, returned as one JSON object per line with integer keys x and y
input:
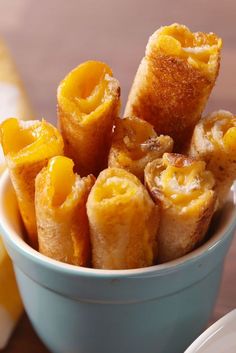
{"x": 115, "y": 193}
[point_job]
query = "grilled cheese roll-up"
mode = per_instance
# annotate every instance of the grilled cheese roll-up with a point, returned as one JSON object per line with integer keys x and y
{"x": 134, "y": 144}
{"x": 214, "y": 141}
{"x": 174, "y": 81}
{"x": 60, "y": 202}
{"x": 123, "y": 222}
{"x": 183, "y": 189}
{"x": 88, "y": 101}
{"x": 27, "y": 146}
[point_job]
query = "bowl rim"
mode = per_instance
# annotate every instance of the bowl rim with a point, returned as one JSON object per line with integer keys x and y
{"x": 15, "y": 242}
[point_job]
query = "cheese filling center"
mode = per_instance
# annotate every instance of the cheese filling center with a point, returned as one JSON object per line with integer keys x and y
{"x": 199, "y": 48}
{"x": 181, "y": 185}
{"x": 221, "y": 130}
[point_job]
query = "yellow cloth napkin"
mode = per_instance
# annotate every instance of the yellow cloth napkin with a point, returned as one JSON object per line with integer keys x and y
{"x": 13, "y": 102}
{"x": 10, "y": 303}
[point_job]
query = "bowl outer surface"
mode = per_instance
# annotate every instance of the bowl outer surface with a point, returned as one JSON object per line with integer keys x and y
{"x": 162, "y": 325}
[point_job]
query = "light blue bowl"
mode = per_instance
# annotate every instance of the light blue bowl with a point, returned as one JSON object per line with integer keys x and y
{"x": 160, "y": 309}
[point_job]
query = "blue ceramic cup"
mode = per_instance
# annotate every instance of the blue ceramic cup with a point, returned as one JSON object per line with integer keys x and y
{"x": 160, "y": 309}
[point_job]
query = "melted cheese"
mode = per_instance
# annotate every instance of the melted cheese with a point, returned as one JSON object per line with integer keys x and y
{"x": 139, "y": 138}
{"x": 28, "y": 141}
{"x": 116, "y": 184}
{"x": 62, "y": 179}
{"x": 85, "y": 89}
{"x": 115, "y": 187}
{"x": 183, "y": 184}
{"x": 198, "y": 48}
{"x": 220, "y": 129}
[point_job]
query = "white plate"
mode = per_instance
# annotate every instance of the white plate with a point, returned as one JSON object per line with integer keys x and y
{"x": 219, "y": 338}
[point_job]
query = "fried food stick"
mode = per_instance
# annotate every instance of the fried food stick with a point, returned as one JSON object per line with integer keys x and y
{"x": 27, "y": 146}
{"x": 214, "y": 141}
{"x": 134, "y": 144}
{"x": 174, "y": 81}
{"x": 88, "y": 102}
{"x": 123, "y": 222}
{"x": 183, "y": 189}
{"x": 60, "y": 203}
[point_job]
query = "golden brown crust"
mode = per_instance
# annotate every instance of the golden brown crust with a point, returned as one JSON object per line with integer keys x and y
{"x": 123, "y": 222}
{"x": 87, "y": 134}
{"x": 63, "y": 230}
{"x": 208, "y": 144}
{"x": 22, "y": 178}
{"x": 87, "y": 146}
{"x": 183, "y": 223}
{"x": 134, "y": 144}
{"x": 170, "y": 93}
{"x": 180, "y": 234}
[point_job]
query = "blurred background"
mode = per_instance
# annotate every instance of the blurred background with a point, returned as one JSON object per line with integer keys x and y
{"x": 49, "y": 37}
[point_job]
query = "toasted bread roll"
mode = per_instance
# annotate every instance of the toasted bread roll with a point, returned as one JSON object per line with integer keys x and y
{"x": 214, "y": 141}
{"x": 134, "y": 144}
{"x": 183, "y": 189}
{"x": 60, "y": 203}
{"x": 28, "y": 145}
{"x": 88, "y": 102}
{"x": 123, "y": 222}
{"x": 174, "y": 80}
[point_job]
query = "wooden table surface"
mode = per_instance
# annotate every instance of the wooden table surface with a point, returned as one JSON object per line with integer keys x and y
{"x": 49, "y": 37}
